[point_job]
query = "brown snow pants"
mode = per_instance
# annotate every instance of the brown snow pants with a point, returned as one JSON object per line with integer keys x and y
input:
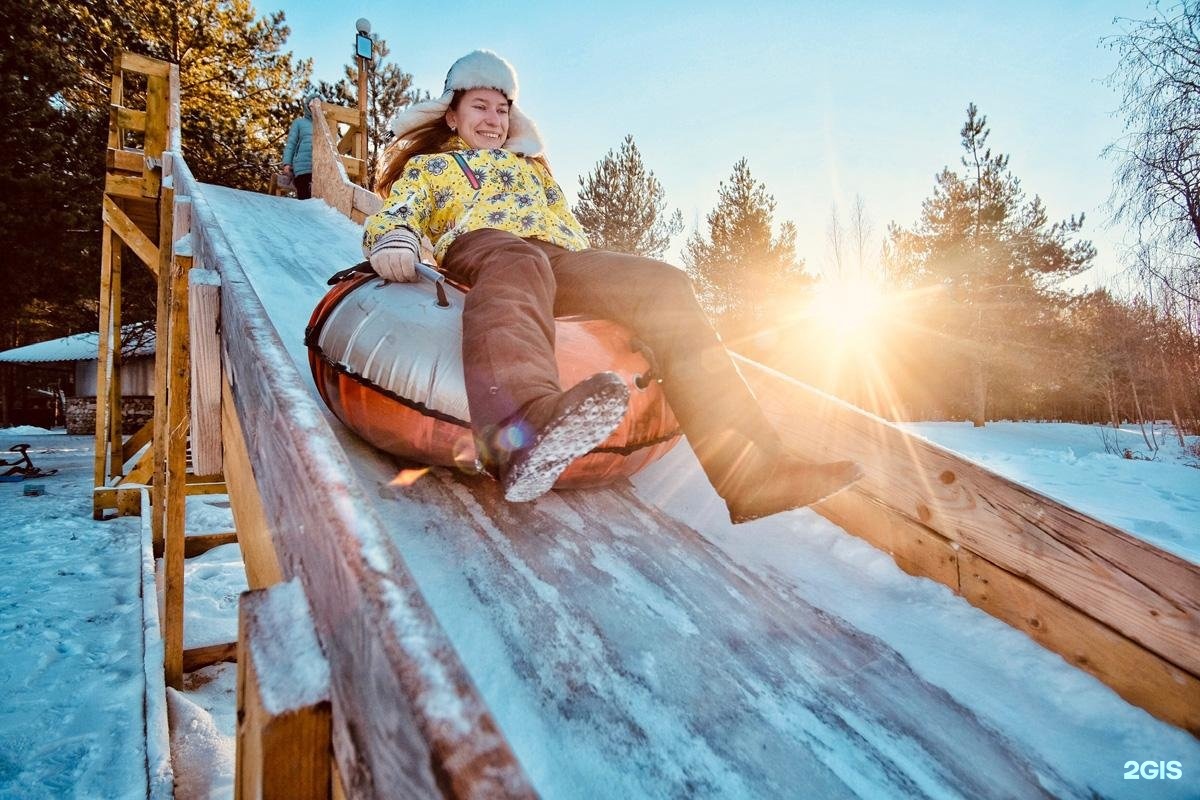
{"x": 520, "y": 285}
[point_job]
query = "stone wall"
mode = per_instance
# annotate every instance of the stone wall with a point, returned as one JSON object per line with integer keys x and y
{"x": 81, "y": 414}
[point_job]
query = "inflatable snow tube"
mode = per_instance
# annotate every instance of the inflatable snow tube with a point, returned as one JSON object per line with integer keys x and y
{"x": 387, "y": 360}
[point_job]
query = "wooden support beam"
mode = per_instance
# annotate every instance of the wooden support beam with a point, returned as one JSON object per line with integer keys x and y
{"x": 204, "y": 484}
{"x": 354, "y": 166}
{"x": 195, "y": 658}
{"x": 917, "y": 549}
{"x": 156, "y": 133}
{"x": 197, "y": 544}
{"x": 325, "y": 531}
{"x": 137, "y": 441}
{"x": 143, "y": 470}
{"x": 131, "y": 234}
{"x": 133, "y": 62}
{"x": 103, "y": 369}
{"x": 128, "y": 119}
{"x": 1148, "y": 595}
{"x": 116, "y": 98}
{"x": 126, "y": 500}
{"x": 1142, "y": 678}
{"x": 254, "y": 534}
{"x": 125, "y": 160}
{"x": 129, "y": 186}
{"x": 348, "y": 116}
{"x": 174, "y": 273}
{"x": 284, "y": 710}
{"x": 205, "y": 306}
{"x": 116, "y": 421}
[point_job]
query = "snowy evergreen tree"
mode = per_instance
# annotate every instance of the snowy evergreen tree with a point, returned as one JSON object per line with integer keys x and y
{"x": 622, "y": 206}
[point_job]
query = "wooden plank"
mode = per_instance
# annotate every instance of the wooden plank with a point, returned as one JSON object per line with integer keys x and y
{"x": 915, "y": 548}
{"x": 1167, "y": 692}
{"x": 116, "y": 98}
{"x": 140, "y": 438}
{"x": 143, "y": 64}
{"x": 143, "y": 471}
{"x": 398, "y": 684}
{"x": 195, "y": 658}
{"x": 1145, "y": 593}
{"x": 204, "y": 484}
{"x": 131, "y": 234}
{"x": 353, "y": 166}
{"x": 156, "y": 133}
{"x": 174, "y": 442}
{"x": 113, "y": 399}
{"x": 343, "y": 114}
{"x": 283, "y": 735}
{"x": 254, "y": 534}
{"x": 173, "y": 119}
{"x": 103, "y": 369}
{"x": 330, "y": 182}
{"x": 125, "y": 160}
{"x": 205, "y": 306}
{"x": 124, "y": 186}
{"x": 365, "y": 203}
{"x": 196, "y": 544}
{"x": 128, "y": 119}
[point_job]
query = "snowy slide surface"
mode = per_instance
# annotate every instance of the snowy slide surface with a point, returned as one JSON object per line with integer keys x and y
{"x": 629, "y": 643}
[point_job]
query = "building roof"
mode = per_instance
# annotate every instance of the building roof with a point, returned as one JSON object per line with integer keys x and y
{"x": 78, "y": 347}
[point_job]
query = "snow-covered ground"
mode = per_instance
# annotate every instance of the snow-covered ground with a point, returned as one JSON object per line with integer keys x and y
{"x": 1153, "y": 496}
{"x": 71, "y": 721}
{"x": 72, "y": 685}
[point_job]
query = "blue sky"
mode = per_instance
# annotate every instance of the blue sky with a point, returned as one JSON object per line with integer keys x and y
{"x": 826, "y": 100}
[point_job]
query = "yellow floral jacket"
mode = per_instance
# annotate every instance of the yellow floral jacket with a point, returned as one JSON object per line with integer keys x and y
{"x": 444, "y": 195}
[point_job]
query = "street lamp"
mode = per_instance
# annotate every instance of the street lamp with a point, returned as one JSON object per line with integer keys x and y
{"x": 364, "y": 48}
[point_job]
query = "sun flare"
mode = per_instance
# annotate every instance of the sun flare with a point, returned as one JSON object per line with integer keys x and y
{"x": 852, "y": 310}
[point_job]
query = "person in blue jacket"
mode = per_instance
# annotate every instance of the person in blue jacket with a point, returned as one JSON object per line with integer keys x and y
{"x": 297, "y": 153}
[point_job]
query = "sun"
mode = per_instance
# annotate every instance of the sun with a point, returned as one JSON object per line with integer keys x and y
{"x": 852, "y": 311}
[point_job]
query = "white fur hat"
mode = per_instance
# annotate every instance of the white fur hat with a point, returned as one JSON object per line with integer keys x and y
{"x": 481, "y": 69}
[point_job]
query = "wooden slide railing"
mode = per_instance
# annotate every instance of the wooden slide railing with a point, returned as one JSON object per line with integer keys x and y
{"x": 402, "y": 716}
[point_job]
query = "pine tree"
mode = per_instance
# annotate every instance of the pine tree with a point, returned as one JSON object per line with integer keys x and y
{"x": 988, "y": 253}
{"x": 622, "y": 206}
{"x": 740, "y": 264}
{"x": 237, "y": 83}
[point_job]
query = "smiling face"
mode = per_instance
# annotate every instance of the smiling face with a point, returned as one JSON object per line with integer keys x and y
{"x": 481, "y": 118}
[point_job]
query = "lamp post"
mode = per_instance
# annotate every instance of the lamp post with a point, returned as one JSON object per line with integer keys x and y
{"x": 364, "y": 51}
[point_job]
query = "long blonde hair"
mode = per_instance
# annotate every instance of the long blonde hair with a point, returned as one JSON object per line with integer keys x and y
{"x": 428, "y": 138}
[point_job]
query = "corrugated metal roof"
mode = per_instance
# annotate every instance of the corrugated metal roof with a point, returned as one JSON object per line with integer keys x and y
{"x": 77, "y": 347}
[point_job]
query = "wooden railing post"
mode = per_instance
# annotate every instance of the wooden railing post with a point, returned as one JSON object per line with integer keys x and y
{"x": 283, "y": 699}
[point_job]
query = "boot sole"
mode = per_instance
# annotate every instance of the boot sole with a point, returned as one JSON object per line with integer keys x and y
{"x": 574, "y": 433}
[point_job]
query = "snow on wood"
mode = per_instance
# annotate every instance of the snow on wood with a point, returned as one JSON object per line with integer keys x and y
{"x": 325, "y": 528}
{"x": 292, "y": 670}
{"x": 160, "y": 775}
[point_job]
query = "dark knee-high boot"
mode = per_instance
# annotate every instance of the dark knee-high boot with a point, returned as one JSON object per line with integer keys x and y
{"x": 738, "y": 448}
